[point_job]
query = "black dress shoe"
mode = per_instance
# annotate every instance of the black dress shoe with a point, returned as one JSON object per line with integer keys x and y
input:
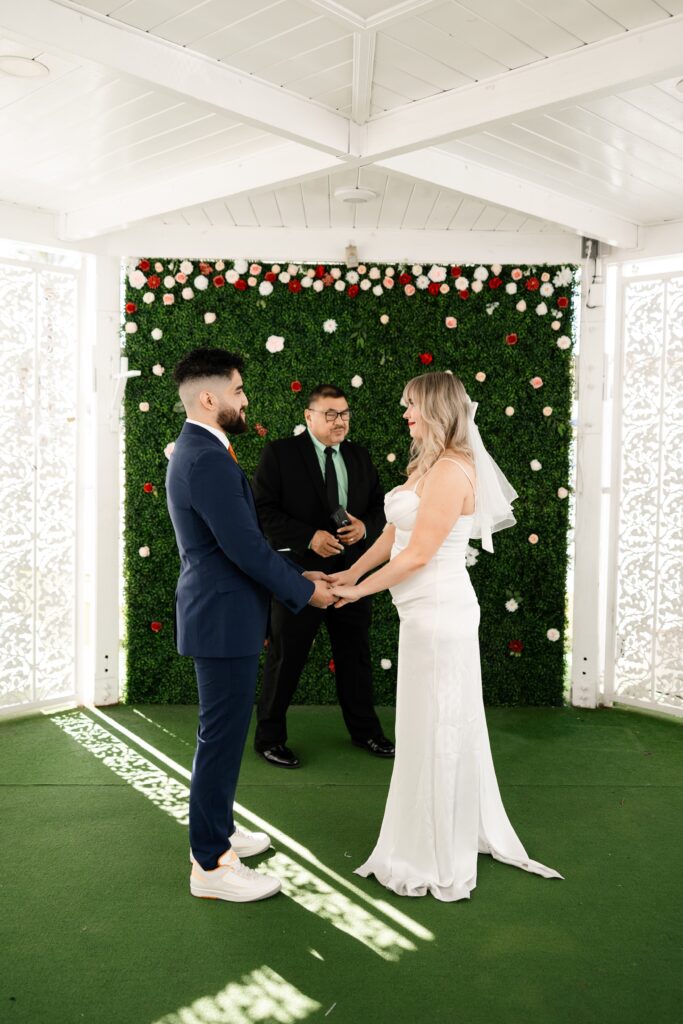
{"x": 280, "y": 755}
{"x": 380, "y": 747}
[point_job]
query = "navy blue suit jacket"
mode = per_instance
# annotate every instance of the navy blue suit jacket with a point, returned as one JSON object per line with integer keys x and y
{"x": 228, "y": 570}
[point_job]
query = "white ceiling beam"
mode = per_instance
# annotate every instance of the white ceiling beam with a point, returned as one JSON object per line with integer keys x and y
{"x": 343, "y": 15}
{"x": 94, "y": 38}
{"x": 287, "y": 162}
{"x": 654, "y": 240}
{"x": 328, "y": 245}
{"x": 652, "y": 53}
{"x": 363, "y": 74}
{"x": 502, "y": 189}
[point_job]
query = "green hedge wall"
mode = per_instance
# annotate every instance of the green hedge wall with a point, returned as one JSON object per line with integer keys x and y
{"x": 384, "y": 325}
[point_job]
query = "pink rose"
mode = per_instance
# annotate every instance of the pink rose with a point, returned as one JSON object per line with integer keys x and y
{"x": 536, "y": 382}
{"x": 451, "y": 322}
{"x": 254, "y": 269}
{"x": 388, "y": 282}
{"x": 168, "y": 299}
{"x": 409, "y": 289}
{"x": 181, "y": 278}
{"x": 516, "y": 274}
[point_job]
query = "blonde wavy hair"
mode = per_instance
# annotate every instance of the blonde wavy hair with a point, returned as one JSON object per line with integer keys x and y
{"x": 443, "y": 404}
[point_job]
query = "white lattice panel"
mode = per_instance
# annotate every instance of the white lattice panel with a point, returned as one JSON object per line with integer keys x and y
{"x": 648, "y": 665}
{"x": 38, "y": 460}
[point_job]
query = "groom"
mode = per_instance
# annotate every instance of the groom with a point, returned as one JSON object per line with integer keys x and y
{"x": 228, "y": 572}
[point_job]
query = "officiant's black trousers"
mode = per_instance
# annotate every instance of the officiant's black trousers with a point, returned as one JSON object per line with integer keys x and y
{"x": 291, "y": 637}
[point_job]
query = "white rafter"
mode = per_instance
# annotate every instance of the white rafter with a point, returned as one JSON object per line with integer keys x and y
{"x": 493, "y": 186}
{"x": 652, "y": 53}
{"x": 363, "y": 73}
{"x": 340, "y": 13}
{"x": 176, "y": 68}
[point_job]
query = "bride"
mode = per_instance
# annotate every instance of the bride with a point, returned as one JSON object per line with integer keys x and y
{"x": 444, "y": 806}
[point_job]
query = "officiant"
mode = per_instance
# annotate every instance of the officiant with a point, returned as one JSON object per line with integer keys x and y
{"x": 319, "y": 499}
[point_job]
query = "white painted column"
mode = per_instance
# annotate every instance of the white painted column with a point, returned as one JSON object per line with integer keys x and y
{"x": 586, "y": 666}
{"x": 108, "y": 571}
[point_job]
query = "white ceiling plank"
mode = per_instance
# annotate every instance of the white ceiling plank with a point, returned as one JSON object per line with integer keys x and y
{"x": 342, "y": 214}
{"x": 291, "y": 69}
{"x": 485, "y": 36}
{"x": 267, "y": 210}
{"x": 631, "y": 13}
{"x": 511, "y": 221}
{"x": 467, "y": 214}
{"x": 367, "y": 19}
{"x": 313, "y": 246}
{"x": 450, "y": 50}
{"x": 580, "y": 17}
{"x": 394, "y": 53}
{"x": 217, "y": 213}
{"x": 201, "y": 184}
{"x": 492, "y": 186}
{"x": 291, "y": 206}
{"x": 651, "y": 53}
{"x": 657, "y": 103}
{"x": 386, "y": 98}
{"x": 338, "y": 99}
{"x": 489, "y": 219}
{"x": 169, "y": 66}
{"x": 150, "y": 14}
{"x": 219, "y": 29}
{"x": 242, "y": 211}
{"x": 271, "y": 49}
{"x": 367, "y": 214}
{"x": 316, "y": 197}
{"x": 539, "y": 32}
{"x": 664, "y": 146}
{"x": 422, "y": 200}
{"x": 444, "y": 210}
{"x": 323, "y": 82}
{"x": 395, "y": 201}
{"x": 363, "y": 71}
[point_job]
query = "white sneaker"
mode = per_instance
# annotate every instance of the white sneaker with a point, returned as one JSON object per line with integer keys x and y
{"x": 245, "y": 844}
{"x": 233, "y": 881}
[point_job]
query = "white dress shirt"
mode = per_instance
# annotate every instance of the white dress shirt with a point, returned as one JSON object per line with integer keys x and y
{"x": 212, "y": 430}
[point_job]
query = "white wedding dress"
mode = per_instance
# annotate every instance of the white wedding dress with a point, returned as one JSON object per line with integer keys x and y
{"x": 444, "y": 806}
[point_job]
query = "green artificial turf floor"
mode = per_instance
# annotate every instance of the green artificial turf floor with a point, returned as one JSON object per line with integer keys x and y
{"x": 97, "y": 924}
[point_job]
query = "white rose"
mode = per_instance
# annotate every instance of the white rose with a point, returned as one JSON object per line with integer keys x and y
{"x": 187, "y": 293}
{"x": 422, "y": 281}
{"x": 365, "y": 284}
{"x": 556, "y": 325}
{"x": 352, "y": 277}
{"x": 276, "y": 268}
{"x": 562, "y": 492}
{"x": 241, "y": 266}
{"x": 521, "y": 305}
{"x": 462, "y": 284}
{"x": 378, "y": 290}
{"x": 509, "y": 411}
{"x": 437, "y": 274}
{"x": 144, "y": 407}
{"x": 389, "y": 272}
{"x": 318, "y": 286}
{"x": 481, "y": 377}
{"x": 391, "y": 457}
{"x": 356, "y": 381}
{"x": 330, "y": 326}
{"x": 546, "y": 290}
{"x": 339, "y": 286}
{"x": 231, "y": 276}
{"x": 476, "y": 286}
{"x": 137, "y": 279}
{"x": 131, "y": 327}
{"x": 306, "y": 282}
{"x": 511, "y": 605}
{"x": 374, "y": 273}
{"x": 157, "y": 333}
{"x": 511, "y": 287}
{"x": 209, "y": 318}
{"x": 385, "y": 664}
{"x": 547, "y": 410}
{"x": 416, "y": 269}
{"x": 471, "y": 555}
{"x": 553, "y": 634}
{"x": 158, "y": 370}
{"x": 265, "y": 288}
{"x": 541, "y": 309}
{"x": 535, "y": 465}
{"x": 201, "y": 283}
{"x": 219, "y": 265}
{"x": 563, "y": 277}
{"x": 299, "y": 429}
{"x": 384, "y": 319}
{"x": 292, "y": 270}
{"x": 143, "y": 552}
{"x": 284, "y": 277}
{"x": 186, "y": 267}
{"x": 169, "y": 281}
{"x": 480, "y": 273}
{"x": 563, "y": 342}
{"x": 168, "y": 450}
{"x": 275, "y": 343}
{"x": 496, "y": 269}
{"x": 148, "y": 298}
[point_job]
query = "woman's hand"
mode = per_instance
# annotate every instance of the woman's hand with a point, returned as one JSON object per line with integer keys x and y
{"x": 345, "y": 595}
{"x": 347, "y": 578}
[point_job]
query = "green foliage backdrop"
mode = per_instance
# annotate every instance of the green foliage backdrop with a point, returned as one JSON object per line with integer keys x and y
{"x": 391, "y": 324}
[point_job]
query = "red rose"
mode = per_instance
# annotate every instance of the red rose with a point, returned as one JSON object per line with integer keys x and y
{"x": 515, "y": 646}
{"x": 320, "y": 270}
{"x": 511, "y": 339}
{"x": 330, "y": 664}
{"x": 241, "y": 285}
{"x": 219, "y": 280}
{"x": 562, "y": 302}
{"x": 433, "y": 288}
{"x": 153, "y": 281}
{"x": 131, "y": 307}
{"x": 426, "y": 358}
{"x": 205, "y": 268}
{"x": 260, "y": 429}
{"x": 328, "y": 280}
{"x": 464, "y": 294}
{"x": 495, "y": 282}
{"x": 155, "y": 627}
{"x": 404, "y": 279}
{"x": 295, "y": 386}
{"x": 352, "y": 291}
{"x": 456, "y": 271}
{"x": 270, "y": 276}
{"x": 143, "y": 265}
{"x": 294, "y": 285}
{"x": 532, "y": 283}
{"x": 148, "y": 488}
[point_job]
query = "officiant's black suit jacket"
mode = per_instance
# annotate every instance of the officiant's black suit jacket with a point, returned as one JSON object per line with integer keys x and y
{"x": 290, "y": 497}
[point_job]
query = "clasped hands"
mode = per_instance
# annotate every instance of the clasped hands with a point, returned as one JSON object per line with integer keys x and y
{"x": 335, "y": 589}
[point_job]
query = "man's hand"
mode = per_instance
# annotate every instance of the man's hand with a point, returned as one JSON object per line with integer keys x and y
{"x": 322, "y": 596}
{"x": 325, "y": 544}
{"x": 314, "y": 575}
{"x": 353, "y": 533}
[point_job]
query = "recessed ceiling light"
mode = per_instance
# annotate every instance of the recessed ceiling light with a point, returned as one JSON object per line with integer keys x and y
{"x": 355, "y": 195}
{"x": 23, "y": 67}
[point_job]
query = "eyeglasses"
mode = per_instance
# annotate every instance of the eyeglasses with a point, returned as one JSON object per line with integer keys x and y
{"x": 331, "y": 415}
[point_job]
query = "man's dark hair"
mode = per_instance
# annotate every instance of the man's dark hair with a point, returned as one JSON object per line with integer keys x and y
{"x": 207, "y": 362}
{"x": 325, "y": 391}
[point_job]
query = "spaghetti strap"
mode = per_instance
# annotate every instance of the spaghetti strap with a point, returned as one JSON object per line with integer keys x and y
{"x": 446, "y": 459}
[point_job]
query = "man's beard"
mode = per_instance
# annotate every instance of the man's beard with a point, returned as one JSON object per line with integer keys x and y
{"x": 231, "y": 422}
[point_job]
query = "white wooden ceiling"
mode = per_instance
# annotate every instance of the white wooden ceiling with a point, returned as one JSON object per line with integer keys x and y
{"x": 523, "y": 116}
